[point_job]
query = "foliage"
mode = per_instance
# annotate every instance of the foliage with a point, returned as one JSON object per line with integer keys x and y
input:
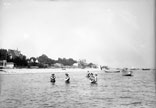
{"x": 3, "y": 54}
{"x": 82, "y": 63}
{"x": 20, "y": 61}
{"x": 90, "y": 64}
{"x": 43, "y": 59}
{"x": 66, "y": 62}
{"x": 33, "y": 59}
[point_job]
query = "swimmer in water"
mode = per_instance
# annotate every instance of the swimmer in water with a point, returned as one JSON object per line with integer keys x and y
{"x": 93, "y": 79}
{"x": 67, "y": 78}
{"x": 52, "y": 78}
{"x": 88, "y": 74}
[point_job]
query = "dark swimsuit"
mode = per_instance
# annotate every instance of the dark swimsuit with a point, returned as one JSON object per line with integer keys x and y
{"x": 68, "y": 80}
{"x": 52, "y": 79}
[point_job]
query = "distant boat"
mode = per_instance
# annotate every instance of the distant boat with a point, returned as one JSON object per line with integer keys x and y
{"x": 126, "y": 72}
{"x": 112, "y": 71}
{"x": 146, "y": 69}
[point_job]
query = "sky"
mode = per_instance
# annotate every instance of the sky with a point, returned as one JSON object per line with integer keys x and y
{"x": 115, "y": 33}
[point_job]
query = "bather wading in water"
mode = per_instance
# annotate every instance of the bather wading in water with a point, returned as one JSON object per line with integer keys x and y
{"x": 93, "y": 79}
{"x": 88, "y": 74}
{"x": 52, "y": 78}
{"x": 91, "y": 76}
{"x": 67, "y": 78}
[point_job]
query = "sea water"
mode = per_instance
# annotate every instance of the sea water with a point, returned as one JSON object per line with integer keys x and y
{"x": 34, "y": 90}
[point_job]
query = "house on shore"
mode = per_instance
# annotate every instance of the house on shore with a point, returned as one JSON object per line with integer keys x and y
{"x": 6, "y": 65}
{"x": 3, "y": 64}
{"x": 10, "y": 65}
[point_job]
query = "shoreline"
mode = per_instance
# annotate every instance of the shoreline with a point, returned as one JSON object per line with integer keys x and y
{"x": 25, "y": 70}
{"x": 51, "y": 70}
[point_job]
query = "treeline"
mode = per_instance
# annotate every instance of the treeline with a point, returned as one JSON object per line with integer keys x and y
{"x": 45, "y": 61}
{"x": 42, "y": 61}
{"x": 19, "y": 60}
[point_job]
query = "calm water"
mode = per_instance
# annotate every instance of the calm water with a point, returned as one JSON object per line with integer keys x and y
{"x": 112, "y": 91}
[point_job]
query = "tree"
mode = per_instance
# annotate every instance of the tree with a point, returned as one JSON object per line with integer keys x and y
{"x": 20, "y": 61}
{"x": 71, "y": 61}
{"x": 82, "y": 63}
{"x": 33, "y": 59}
{"x": 9, "y": 58}
{"x": 90, "y": 65}
{"x": 43, "y": 59}
{"x": 66, "y": 62}
{"x": 3, "y": 54}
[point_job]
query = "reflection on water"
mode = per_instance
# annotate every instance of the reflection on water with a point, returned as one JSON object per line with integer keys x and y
{"x": 112, "y": 91}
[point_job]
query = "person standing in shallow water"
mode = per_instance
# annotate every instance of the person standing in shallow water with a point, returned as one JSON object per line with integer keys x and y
{"x": 52, "y": 78}
{"x": 88, "y": 74}
{"x": 67, "y": 78}
{"x": 93, "y": 79}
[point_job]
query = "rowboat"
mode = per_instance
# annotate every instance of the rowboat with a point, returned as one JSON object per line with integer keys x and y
{"x": 126, "y": 72}
{"x": 112, "y": 71}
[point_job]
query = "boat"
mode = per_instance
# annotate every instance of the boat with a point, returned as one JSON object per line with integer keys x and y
{"x": 126, "y": 72}
{"x": 112, "y": 71}
{"x": 146, "y": 69}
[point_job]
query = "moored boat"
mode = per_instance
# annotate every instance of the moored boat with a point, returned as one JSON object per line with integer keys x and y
{"x": 126, "y": 72}
{"x": 112, "y": 71}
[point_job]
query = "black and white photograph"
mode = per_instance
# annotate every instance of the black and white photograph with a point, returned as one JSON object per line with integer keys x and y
{"x": 77, "y": 54}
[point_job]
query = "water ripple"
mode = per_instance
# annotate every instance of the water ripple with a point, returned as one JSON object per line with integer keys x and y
{"x": 112, "y": 91}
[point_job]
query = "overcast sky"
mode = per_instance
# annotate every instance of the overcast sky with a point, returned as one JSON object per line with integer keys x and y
{"x": 117, "y": 33}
